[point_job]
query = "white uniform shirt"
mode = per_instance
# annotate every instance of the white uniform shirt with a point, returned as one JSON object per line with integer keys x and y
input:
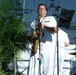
{"x": 62, "y": 37}
{"x": 49, "y": 21}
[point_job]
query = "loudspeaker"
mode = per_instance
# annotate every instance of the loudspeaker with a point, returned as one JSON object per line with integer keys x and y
{"x": 67, "y": 17}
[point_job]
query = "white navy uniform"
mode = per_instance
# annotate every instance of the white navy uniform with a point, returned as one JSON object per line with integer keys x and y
{"x": 47, "y": 49}
{"x": 62, "y": 39}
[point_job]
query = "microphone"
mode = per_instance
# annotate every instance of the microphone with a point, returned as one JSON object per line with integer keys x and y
{"x": 52, "y": 5}
{"x": 57, "y": 6}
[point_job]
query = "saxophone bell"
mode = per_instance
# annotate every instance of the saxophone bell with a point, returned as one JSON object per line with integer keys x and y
{"x": 37, "y": 34}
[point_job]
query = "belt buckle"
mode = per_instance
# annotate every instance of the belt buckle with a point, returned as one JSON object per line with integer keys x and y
{"x": 44, "y": 41}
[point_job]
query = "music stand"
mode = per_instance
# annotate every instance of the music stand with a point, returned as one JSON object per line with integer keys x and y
{"x": 67, "y": 14}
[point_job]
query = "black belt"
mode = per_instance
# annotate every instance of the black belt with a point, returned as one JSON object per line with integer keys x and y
{"x": 43, "y": 41}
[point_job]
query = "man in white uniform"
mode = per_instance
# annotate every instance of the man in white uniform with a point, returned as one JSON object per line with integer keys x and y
{"x": 47, "y": 47}
{"x": 63, "y": 41}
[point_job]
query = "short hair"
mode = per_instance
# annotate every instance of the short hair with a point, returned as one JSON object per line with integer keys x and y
{"x": 43, "y": 5}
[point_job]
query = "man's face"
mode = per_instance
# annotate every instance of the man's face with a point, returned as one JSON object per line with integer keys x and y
{"x": 42, "y": 10}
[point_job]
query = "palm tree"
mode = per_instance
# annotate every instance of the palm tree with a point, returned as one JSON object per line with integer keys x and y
{"x": 13, "y": 32}
{"x": 13, "y": 35}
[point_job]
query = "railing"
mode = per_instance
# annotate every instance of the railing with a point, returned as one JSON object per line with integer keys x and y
{"x": 73, "y": 66}
{"x": 9, "y": 66}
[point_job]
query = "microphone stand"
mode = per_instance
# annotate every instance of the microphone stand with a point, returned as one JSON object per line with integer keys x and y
{"x": 40, "y": 55}
{"x": 40, "y": 34}
{"x": 57, "y": 42}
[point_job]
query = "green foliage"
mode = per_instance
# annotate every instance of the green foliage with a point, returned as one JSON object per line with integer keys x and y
{"x": 13, "y": 32}
{"x": 6, "y": 5}
{"x": 13, "y": 35}
{"x": 7, "y": 73}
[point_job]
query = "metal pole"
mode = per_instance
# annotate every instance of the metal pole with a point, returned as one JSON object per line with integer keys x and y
{"x": 23, "y": 7}
{"x": 15, "y": 63}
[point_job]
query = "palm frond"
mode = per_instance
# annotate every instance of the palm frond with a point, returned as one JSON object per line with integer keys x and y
{"x": 13, "y": 35}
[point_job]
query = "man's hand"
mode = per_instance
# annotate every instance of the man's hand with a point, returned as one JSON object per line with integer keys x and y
{"x": 66, "y": 44}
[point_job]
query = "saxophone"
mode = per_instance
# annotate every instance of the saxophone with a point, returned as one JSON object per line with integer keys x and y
{"x": 36, "y": 36}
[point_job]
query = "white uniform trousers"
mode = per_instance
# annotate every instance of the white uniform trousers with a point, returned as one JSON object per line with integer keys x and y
{"x": 48, "y": 51}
